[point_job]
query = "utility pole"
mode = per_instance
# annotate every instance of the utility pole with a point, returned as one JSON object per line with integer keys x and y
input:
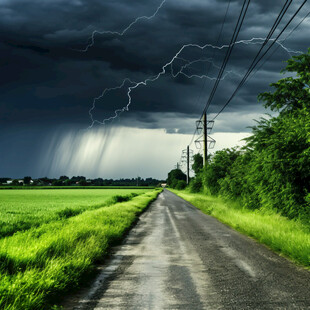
{"x": 187, "y": 179}
{"x": 205, "y": 139}
{"x": 203, "y": 127}
{"x": 187, "y": 157}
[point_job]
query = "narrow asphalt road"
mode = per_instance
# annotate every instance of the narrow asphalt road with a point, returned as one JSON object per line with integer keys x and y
{"x": 179, "y": 258}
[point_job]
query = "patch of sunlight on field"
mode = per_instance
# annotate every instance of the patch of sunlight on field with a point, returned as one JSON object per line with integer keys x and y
{"x": 23, "y": 209}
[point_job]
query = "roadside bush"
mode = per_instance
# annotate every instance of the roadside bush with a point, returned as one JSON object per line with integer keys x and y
{"x": 195, "y": 185}
{"x": 174, "y": 176}
{"x": 272, "y": 171}
{"x": 181, "y": 184}
{"x": 217, "y": 169}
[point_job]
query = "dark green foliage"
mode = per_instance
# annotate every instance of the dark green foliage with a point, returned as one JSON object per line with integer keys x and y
{"x": 217, "y": 168}
{"x": 4, "y": 180}
{"x": 57, "y": 183}
{"x": 195, "y": 185}
{"x": 291, "y": 94}
{"x": 273, "y": 170}
{"x": 16, "y": 183}
{"x": 198, "y": 163}
{"x": 181, "y": 184}
{"x": 174, "y": 176}
{"x": 27, "y": 180}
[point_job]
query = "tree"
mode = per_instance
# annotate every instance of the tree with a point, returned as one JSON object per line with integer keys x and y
{"x": 27, "y": 180}
{"x": 83, "y": 182}
{"x": 174, "y": 176}
{"x": 181, "y": 184}
{"x": 98, "y": 182}
{"x": 198, "y": 163}
{"x": 291, "y": 93}
{"x": 15, "y": 183}
{"x": 57, "y": 183}
{"x": 67, "y": 182}
{"x": 273, "y": 171}
{"x": 4, "y": 180}
{"x": 218, "y": 167}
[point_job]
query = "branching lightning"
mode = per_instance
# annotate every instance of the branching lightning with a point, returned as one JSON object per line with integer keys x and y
{"x": 135, "y": 85}
{"x": 189, "y": 63}
{"x": 120, "y": 33}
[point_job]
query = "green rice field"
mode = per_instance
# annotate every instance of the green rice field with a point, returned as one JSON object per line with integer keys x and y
{"x": 23, "y": 209}
{"x": 54, "y": 238}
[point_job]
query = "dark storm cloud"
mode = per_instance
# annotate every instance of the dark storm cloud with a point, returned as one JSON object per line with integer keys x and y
{"x": 44, "y": 79}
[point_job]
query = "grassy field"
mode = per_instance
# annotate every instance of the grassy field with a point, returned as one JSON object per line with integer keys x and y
{"x": 288, "y": 237}
{"x": 43, "y": 262}
{"x": 23, "y": 209}
{"x": 26, "y": 187}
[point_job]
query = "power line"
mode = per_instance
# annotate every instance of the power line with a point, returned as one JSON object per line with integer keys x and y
{"x": 213, "y": 52}
{"x": 229, "y": 51}
{"x": 303, "y": 19}
{"x": 256, "y": 61}
{"x": 227, "y": 55}
{"x": 208, "y": 69}
{"x": 277, "y": 21}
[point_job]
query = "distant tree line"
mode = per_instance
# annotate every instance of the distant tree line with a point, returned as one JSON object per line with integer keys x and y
{"x": 79, "y": 181}
{"x": 272, "y": 171}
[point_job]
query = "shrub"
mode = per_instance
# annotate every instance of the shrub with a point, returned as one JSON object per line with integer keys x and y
{"x": 181, "y": 184}
{"x": 195, "y": 185}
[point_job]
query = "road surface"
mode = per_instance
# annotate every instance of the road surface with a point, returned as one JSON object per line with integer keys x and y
{"x": 176, "y": 257}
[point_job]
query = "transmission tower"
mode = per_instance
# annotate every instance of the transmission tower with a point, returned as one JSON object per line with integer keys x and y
{"x": 204, "y": 127}
{"x": 187, "y": 157}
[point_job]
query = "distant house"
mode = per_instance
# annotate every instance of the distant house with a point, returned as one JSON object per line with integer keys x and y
{"x": 21, "y": 182}
{"x": 163, "y": 185}
{"x": 10, "y": 182}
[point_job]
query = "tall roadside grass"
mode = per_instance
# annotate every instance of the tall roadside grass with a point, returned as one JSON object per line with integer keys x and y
{"x": 288, "y": 237}
{"x": 41, "y": 263}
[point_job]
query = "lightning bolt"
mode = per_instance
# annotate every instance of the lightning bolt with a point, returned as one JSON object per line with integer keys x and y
{"x": 279, "y": 42}
{"x": 121, "y": 33}
{"x": 163, "y": 71}
{"x": 189, "y": 63}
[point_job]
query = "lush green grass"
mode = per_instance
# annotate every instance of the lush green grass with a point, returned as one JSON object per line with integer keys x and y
{"x": 23, "y": 209}
{"x": 37, "y": 264}
{"x": 288, "y": 237}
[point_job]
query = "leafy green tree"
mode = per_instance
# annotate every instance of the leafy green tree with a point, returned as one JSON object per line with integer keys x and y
{"x": 83, "y": 182}
{"x": 15, "y": 183}
{"x": 218, "y": 167}
{"x": 98, "y": 182}
{"x": 27, "y": 180}
{"x": 291, "y": 93}
{"x": 57, "y": 183}
{"x": 273, "y": 170}
{"x": 198, "y": 163}
{"x": 174, "y": 176}
{"x": 181, "y": 184}
{"x": 195, "y": 184}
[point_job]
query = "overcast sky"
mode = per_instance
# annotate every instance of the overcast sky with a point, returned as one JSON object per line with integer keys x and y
{"x": 52, "y": 69}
